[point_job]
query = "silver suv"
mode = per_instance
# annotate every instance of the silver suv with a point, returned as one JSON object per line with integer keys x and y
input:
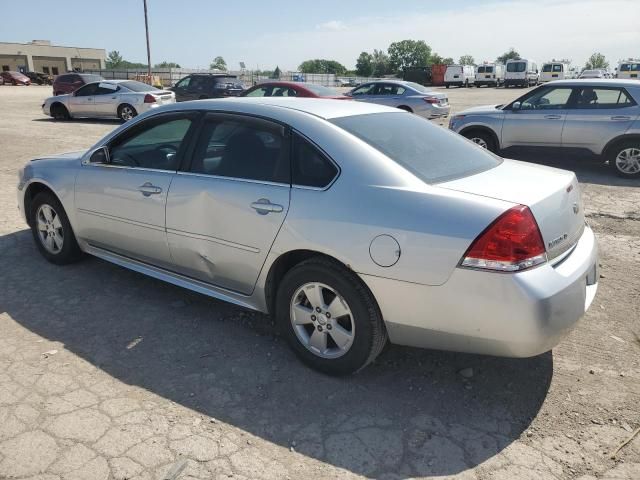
{"x": 602, "y": 116}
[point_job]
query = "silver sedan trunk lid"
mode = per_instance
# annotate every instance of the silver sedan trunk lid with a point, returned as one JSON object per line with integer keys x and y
{"x": 552, "y": 195}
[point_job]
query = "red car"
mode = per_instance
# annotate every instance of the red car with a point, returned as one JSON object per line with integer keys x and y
{"x": 70, "y": 82}
{"x": 292, "y": 89}
{"x": 15, "y": 78}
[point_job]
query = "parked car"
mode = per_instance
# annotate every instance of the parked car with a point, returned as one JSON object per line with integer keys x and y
{"x": 601, "y": 116}
{"x": 39, "y": 78}
{"x": 554, "y": 71}
{"x": 349, "y": 222}
{"x": 521, "y": 73}
{"x": 123, "y": 99}
{"x": 200, "y": 86}
{"x": 70, "y": 82}
{"x": 408, "y": 96}
{"x": 629, "y": 69}
{"x": 459, "y": 76}
{"x": 292, "y": 89}
{"x": 490, "y": 74}
{"x": 595, "y": 73}
{"x": 14, "y": 78}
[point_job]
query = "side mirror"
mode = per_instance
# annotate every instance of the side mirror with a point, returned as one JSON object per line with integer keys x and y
{"x": 516, "y": 106}
{"x": 100, "y": 155}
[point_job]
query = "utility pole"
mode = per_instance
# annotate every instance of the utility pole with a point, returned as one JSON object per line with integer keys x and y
{"x": 146, "y": 27}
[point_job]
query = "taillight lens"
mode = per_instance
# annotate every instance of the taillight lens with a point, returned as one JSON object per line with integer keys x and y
{"x": 148, "y": 98}
{"x": 511, "y": 243}
{"x": 431, "y": 100}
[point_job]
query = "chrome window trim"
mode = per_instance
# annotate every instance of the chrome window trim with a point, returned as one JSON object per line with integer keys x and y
{"x": 124, "y": 167}
{"x": 236, "y": 179}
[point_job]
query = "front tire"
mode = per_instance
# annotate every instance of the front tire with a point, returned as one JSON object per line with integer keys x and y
{"x": 482, "y": 139}
{"x": 126, "y": 112}
{"x": 625, "y": 159}
{"x": 329, "y": 317}
{"x": 59, "y": 112}
{"x": 52, "y": 231}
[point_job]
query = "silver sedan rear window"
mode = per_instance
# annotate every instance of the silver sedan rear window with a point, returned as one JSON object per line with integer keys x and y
{"x": 428, "y": 151}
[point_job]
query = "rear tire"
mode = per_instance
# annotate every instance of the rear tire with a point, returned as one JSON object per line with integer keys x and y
{"x": 126, "y": 112}
{"x": 482, "y": 139}
{"x": 308, "y": 295}
{"x": 52, "y": 231}
{"x": 624, "y": 158}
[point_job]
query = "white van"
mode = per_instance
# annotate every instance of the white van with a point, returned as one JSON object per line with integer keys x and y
{"x": 629, "y": 69}
{"x": 554, "y": 71}
{"x": 521, "y": 72}
{"x": 490, "y": 74}
{"x": 459, "y": 75}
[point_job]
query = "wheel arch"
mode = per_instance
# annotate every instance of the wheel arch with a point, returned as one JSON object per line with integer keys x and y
{"x": 606, "y": 151}
{"x": 482, "y": 128}
{"x": 33, "y": 189}
{"x": 406, "y": 108}
{"x": 286, "y": 262}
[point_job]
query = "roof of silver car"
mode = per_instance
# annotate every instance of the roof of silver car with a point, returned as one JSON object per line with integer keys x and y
{"x": 323, "y": 108}
{"x": 603, "y": 82}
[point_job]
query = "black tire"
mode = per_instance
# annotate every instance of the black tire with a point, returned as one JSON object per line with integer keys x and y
{"x": 617, "y": 150}
{"x": 370, "y": 334}
{"x": 59, "y": 112}
{"x": 203, "y": 97}
{"x": 70, "y": 251}
{"x": 405, "y": 108}
{"x": 484, "y": 136}
{"x": 126, "y": 112}
{"x": 446, "y": 86}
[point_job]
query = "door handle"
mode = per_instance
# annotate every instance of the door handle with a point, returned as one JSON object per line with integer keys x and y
{"x": 148, "y": 189}
{"x": 553, "y": 117}
{"x": 264, "y": 206}
{"x": 620, "y": 117}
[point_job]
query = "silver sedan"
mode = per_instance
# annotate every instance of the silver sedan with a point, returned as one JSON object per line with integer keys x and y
{"x": 123, "y": 99}
{"x": 408, "y": 96}
{"x": 351, "y": 223}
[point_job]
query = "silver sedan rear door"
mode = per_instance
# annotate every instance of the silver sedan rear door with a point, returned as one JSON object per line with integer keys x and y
{"x": 226, "y": 208}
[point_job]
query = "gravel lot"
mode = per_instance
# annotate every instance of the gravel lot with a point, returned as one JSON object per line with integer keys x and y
{"x": 107, "y": 374}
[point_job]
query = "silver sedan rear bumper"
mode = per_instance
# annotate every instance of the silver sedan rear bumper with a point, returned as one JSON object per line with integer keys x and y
{"x": 511, "y": 315}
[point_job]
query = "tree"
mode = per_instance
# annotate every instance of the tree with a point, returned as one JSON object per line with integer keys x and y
{"x": 467, "y": 60}
{"x": 166, "y": 64}
{"x": 322, "y": 66}
{"x": 218, "y": 64}
{"x": 596, "y": 60}
{"x": 448, "y": 61}
{"x": 408, "y": 53}
{"x": 380, "y": 63}
{"x": 277, "y": 73}
{"x": 364, "y": 65}
{"x": 510, "y": 55}
{"x": 114, "y": 59}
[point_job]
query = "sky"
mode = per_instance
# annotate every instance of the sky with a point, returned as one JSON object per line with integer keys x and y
{"x": 263, "y": 34}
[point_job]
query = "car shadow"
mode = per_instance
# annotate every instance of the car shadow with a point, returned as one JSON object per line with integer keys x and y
{"x": 588, "y": 168}
{"x": 411, "y": 413}
{"x": 91, "y": 121}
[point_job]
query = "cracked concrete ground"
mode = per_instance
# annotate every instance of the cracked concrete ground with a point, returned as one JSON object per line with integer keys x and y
{"x": 106, "y": 374}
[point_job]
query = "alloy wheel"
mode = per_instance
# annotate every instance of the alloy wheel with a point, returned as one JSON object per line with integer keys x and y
{"x": 628, "y": 161}
{"x": 50, "y": 231}
{"x": 126, "y": 113}
{"x": 481, "y": 142}
{"x": 322, "y": 320}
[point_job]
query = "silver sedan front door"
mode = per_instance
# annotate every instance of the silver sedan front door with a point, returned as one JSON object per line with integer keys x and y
{"x": 120, "y": 204}
{"x": 106, "y": 99}
{"x": 81, "y": 102}
{"x": 224, "y": 213}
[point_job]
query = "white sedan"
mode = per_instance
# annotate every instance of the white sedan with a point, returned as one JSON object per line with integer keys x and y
{"x": 123, "y": 99}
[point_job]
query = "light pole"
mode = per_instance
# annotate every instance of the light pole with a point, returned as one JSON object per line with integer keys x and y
{"x": 146, "y": 27}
